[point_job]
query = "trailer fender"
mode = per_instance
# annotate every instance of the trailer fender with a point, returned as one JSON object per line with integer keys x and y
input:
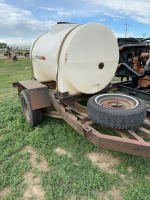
{"x": 38, "y": 93}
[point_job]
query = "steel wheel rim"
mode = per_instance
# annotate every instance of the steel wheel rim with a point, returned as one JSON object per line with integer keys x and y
{"x": 115, "y": 101}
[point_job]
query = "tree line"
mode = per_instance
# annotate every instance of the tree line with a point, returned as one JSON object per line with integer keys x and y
{"x": 3, "y": 45}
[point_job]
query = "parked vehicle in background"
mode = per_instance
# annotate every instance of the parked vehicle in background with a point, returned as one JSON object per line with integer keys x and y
{"x": 19, "y": 53}
{"x": 26, "y": 54}
{"x": 7, "y": 53}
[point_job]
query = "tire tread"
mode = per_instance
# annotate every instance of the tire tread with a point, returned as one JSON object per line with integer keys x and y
{"x": 119, "y": 119}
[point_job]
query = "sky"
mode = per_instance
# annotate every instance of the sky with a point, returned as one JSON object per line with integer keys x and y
{"x": 22, "y": 21}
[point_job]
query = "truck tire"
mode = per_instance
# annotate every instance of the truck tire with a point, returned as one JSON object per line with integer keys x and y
{"x": 116, "y": 111}
{"x": 33, "y": 117}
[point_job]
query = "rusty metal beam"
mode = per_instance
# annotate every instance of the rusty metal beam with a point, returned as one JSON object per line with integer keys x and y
{"x": 146, "y": 125}
{"x": 114, "y": 143}
{"x": 144, "y": 132}
{"x": 128, "y": 134}
{"x": 67, "y": 98}
{"x": 77, "y": 107}
{"x": 148, "y": 114}
{"x": 122, "y": 132}
{"x": 54, "y": 114}
{"x": 131, "y": 146}
{"x": 134, "y": 136}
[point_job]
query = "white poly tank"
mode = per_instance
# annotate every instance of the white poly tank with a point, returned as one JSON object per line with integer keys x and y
{"x": 80, "y": 58}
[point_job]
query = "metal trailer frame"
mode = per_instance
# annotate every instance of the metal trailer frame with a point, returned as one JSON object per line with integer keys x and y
{"x": 141, "y": 93}
{"x": 44, "y": 96}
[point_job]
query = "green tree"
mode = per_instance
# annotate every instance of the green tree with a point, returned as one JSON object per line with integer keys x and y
{"x": 3, "y": 45}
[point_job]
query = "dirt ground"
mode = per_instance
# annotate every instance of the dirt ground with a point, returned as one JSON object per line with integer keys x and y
{"x": 4, "y": 191}
{"x": 34, "y": 188}
{"x": 102, "y": 160}
{"x": 106, "y": 163}
{"x": 33, "y": 183}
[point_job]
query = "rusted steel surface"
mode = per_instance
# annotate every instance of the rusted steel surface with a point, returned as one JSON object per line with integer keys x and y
{"x": 134, "y": 136}
{"x": 15, "y": 84}
{"x": 43, "y": 96}
{"x": 38, "y": 93}
{"x": 66, "y": 114}
{"x": 146, "y": 125}
{"x": 31, "y": 84}
{"x": 114, "y": 143}
{"x": 63, "y": 95}
{"x": 148, "y": 113}
{"x": 136, "y": 146}
{"x": 54, "y": 114}
{"x": 77, "y": 107}
{"x": 143, "y": 131}
{"x": 67, "y": 97}
{"x": 116, "y": 103}
{"x": 122, "y": 132}
{"x": 131, "y": 134}
{"x": 50, "y": 84}
{"x": 137, "y": 60}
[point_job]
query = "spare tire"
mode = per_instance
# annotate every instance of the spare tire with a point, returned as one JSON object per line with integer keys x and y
{"x": 116, "y": 111}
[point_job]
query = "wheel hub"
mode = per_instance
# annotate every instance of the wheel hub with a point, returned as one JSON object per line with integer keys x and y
{"x": 116, "y": 103}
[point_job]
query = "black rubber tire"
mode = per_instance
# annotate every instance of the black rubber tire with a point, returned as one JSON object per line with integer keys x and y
{"x": 116, "y": 118}
{"x": 34, "y": 117}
